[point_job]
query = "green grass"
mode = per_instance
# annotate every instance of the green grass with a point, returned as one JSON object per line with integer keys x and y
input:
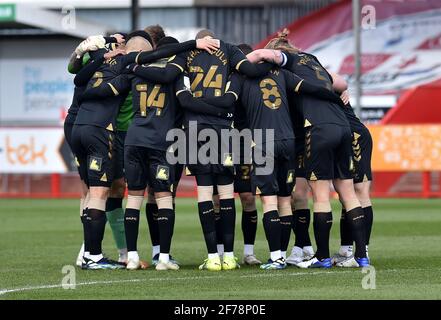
{"x": 39, "y": 237}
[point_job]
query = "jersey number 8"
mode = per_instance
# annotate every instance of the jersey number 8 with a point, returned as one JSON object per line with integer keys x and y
{"x": 269, "y": 89}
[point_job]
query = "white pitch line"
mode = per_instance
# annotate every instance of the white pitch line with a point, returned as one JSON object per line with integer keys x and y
{"x": 53, "y": 286}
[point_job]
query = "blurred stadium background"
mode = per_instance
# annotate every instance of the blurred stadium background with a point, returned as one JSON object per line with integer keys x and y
{"x": 400, "y": 83}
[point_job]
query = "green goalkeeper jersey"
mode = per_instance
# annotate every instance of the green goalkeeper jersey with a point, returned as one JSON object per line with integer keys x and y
{"x": 125, "y": 115}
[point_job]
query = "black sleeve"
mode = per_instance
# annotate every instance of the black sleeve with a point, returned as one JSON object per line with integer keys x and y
{"x": 301, "y": 86}
{"x": 86, "y": 73}
{"x": 97, "y": 54}
{"x": 196, "y": 105}
{"x": 320, "y": 92}
{"x": 227, "y": 101}
{"x": 291, "y": 57}
{"x": 164, "y": 52}
{"x": 157, "y": 74}
{"x": 110, "y": 40}
{"x": 118, "y": 85}
{"x": 188, "y": 102}
{"x": 254, "y": 70}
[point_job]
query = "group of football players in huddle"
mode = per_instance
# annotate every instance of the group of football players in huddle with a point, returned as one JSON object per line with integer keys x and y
{"x": 290, "y": 119}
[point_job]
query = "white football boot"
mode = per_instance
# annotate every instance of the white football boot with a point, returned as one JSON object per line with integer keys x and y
{"x": 133, "y": 262}
{"x": 170, "y": 265}
{"x": 80, "y": 261}
{"x": 251, "y": 260}
{"x": 343, "y": 254}
{"x": 297, "y": 256}
{"x": 308, "y": 252}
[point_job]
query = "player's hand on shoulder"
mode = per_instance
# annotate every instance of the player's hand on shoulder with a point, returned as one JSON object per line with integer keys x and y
{"x": 209, "y": 45}
{"x": 345, "y": 97}
{"x": 114, "y": 53}
{"x": 119, "y": 38}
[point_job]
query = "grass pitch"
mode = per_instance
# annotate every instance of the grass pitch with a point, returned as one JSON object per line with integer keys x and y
{"x": 39, "y": 237}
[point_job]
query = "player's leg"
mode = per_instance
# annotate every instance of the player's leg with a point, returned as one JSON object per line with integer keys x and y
{"x": 161, "y": 179}
{"x": 68, "y": 128}
{"x": 302, "y": 216}
{"x": 216, "y": 207}
{"x": 285, "y": 163}
{"x": 273, "y": 232}
{"x": 227, "y": 211}
{"x": 92, "y": 145}
{"x": 151, "y": 213}
{"x": 355, "y": 219}
{"x": 85, "y": 247}
{"x": 207, "y": 218}
{"x": 285, "y": 214}
{"x": 362, "y": 191}
{"x": 99, "y": 144}
{"x": 363, "y": 180}
{"x": 136, "y": 170}
{"x": 346, "y": 243}
{"x": 322, "y": 225}
{"x": 320, "y": 142}
{"x": 302, "y": 249}
{"x": 166, "y": 223}
{"x": 264, "y": 182}
{"x": 115, "y": 217}
{"x": 344, "y": 185}
{"x": 249, "y": 227}
{"x": 242, "y": 185}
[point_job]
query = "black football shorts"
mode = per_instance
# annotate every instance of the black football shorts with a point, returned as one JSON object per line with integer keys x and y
{"x": 362, "y": 154}
{"x": 118, "y": 152}
{"x": 146, "y": 166}
{"x": 328, "y": 152}
{"x": 218, "y": 160}
{"x": 280, "y": 179}
{"x": 300, "y": 157}
{"x": 94, "y": 146}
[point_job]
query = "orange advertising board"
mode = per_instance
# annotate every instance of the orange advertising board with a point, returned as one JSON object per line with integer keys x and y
{"x": 406, "y": 147}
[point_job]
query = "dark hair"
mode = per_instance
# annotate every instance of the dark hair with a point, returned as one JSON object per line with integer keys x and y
{"x": 140, "y": 33}
{"x": 204, "y": 33}
{"x": 245, "y": 48}
{"x": 166, "y": 40}
{"x": 156, "y": 32}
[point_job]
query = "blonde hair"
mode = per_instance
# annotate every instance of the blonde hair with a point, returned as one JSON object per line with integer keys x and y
{"x": 281, "y": 42}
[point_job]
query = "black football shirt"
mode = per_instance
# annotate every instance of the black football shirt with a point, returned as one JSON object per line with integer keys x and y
{"x": 315, "y": 111}
{"x": 209, "y": 74}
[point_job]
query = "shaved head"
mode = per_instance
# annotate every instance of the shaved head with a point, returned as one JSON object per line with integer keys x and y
{"x": 138, "y": 44}
{"x": 204, "y": 33}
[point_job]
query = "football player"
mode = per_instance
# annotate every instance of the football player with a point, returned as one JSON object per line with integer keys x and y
{"x": 328, "y": 158}
{"x": 82, "y": 54}
{"x": 362, "y": 173}
{"x": 265, "y": 101}
{"x": 155, "y": 108}
{"x": 208, "y": 76}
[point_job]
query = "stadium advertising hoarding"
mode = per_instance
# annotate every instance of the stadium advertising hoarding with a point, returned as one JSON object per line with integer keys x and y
{"x": 33, "y": 150}
{"x": 7, "y": 12}
{"x": 401, "y": 42}
{"x": 42, "y": 90}
{"x": 406, "y": 147}
{"x": 396, "y": 148}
